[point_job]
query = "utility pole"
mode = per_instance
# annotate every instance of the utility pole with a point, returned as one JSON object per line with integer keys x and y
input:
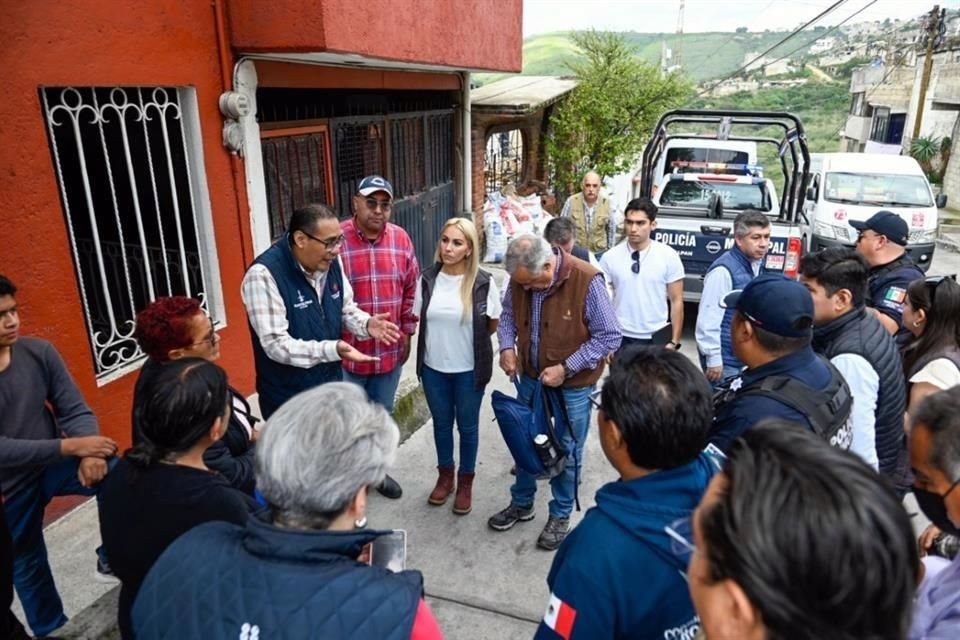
{"x": 934, "y": 26}
{"x": 678, "y": 57}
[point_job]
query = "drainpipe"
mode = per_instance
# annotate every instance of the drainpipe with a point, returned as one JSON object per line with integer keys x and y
{"x": 239, "y": 181}
{"x": 467, "y": 186}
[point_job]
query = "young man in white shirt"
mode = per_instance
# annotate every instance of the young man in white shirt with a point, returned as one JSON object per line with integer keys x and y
{"x": 645, "y": 274}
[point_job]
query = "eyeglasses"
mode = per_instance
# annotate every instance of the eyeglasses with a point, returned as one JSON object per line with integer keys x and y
{"x": 681, "y": 538}
{"x": 329, "y": 244}
{"x": 212, "y": 339}
{"x": 373, "y": 203}
{"x": 595, "y": 398}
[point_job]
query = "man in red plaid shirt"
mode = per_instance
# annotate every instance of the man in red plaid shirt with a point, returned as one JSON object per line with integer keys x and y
{"x": 380, "y": 263}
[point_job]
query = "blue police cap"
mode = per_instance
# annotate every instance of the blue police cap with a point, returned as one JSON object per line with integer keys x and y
{"x": 776, "y": 304}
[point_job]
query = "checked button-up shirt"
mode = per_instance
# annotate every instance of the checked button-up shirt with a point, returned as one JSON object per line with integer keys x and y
{"x": 383, "y": 273}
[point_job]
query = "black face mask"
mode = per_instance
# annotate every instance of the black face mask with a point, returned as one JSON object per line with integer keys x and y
{"x": 933, "y": 505}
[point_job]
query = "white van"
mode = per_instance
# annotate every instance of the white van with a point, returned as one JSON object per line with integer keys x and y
{"x": 854, "y": 186}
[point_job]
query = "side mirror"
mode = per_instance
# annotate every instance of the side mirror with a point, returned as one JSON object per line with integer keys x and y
{"x": 812, "y": 194}
{"x": 941, "y": 201}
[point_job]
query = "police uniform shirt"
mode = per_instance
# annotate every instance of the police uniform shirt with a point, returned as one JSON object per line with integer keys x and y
{"x": 888, "y": 288}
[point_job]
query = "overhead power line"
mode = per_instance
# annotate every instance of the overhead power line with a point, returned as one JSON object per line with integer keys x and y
{"x": 825, "y": 33}
{"x": 784, "y": 40}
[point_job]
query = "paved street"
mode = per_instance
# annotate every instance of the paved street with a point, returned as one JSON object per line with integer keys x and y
{"x": 481, "y": 584}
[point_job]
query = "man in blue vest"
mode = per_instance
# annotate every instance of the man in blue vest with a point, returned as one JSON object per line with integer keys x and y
{"x": 732, "y": 270}
{"x": 297, "y": 304}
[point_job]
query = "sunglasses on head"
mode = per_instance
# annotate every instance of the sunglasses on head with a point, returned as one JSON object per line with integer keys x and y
{"x": 932, "y": 282}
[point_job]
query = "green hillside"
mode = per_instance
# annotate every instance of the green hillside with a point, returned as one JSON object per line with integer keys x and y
{"x": 705, "y": 56}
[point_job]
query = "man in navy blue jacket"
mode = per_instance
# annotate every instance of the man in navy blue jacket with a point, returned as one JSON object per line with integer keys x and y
{"x": 771, "y": 332}
{"x": 617, "y": 574}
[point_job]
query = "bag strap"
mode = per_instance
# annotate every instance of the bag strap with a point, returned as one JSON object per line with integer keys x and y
{"x": 558, "y": 395}
{"x": 821, "y": 408}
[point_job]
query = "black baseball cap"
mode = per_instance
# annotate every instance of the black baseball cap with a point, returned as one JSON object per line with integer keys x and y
{"x": 775, "y": 303}
{"x": 886, "y": 223}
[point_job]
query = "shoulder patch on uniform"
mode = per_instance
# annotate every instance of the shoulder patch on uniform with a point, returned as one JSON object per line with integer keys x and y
{"x": 895, "y": 294}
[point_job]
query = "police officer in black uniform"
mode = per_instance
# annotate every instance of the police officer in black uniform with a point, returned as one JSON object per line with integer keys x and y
{"x": 882, "y": 240}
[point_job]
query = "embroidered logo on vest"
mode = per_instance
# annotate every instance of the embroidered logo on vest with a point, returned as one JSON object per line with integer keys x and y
{"x": 249, "y": 632}
{"x": 302, "y": 303}
{"x": 334, "y": 291}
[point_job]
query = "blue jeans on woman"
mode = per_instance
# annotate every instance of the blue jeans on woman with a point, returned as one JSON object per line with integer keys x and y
{"x": 577, "y": 402}
{"x": 31, "y": 569}
{"x": 452, "y": 396}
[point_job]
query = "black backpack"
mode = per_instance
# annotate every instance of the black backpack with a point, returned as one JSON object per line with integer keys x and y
{"x": 827, "y": 410}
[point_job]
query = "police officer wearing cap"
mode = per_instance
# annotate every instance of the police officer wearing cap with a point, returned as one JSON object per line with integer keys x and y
{"x": 771, "y": 333}
{"x": 882, "y": 241}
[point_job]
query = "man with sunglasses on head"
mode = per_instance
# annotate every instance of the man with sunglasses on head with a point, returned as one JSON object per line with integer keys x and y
{"x": 381, "y": 264}
{"x": 645, "y": 274}
{"x": 882, "y": 241}
{"x": 298, "y": 305}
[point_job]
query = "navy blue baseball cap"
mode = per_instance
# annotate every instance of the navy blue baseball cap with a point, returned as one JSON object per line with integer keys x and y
{"x": 776, "y": 304}
{"x": 372, "y": 184}
{"x": 886, "y": 223}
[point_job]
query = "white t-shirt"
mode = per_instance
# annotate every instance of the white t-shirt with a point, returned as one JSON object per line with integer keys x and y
{"x": 941, "y": 373}
{"x": 449, "y": 347}
{"x": 640, "y": 299}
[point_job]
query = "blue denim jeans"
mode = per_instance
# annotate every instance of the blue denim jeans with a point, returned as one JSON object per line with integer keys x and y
{"x": 524, "y": 489}
{"x": 31, "y": 570}
{"x": 452, "y": 396}
{"x": 380, "y": 387}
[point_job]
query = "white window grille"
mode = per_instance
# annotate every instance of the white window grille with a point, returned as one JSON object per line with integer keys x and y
{"x": 130, "y": 170}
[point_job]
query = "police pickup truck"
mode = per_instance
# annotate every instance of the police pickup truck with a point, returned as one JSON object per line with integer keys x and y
{"x": 698, "y": 200}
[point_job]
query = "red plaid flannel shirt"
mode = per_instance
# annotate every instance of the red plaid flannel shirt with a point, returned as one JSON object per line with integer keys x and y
{"x": 384, "y": 275}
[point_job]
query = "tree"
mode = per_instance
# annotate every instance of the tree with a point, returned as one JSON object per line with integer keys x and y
{"x": 605, "y": 121}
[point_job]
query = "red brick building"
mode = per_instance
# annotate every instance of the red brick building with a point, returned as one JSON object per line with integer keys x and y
{"x": 116, "y": 165}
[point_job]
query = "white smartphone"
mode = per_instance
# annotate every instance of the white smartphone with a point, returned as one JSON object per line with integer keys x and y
{"x": 390, "y": 551}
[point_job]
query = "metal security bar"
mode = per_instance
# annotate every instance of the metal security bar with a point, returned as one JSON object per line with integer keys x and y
{"x": 134, "y": 200}
{"x": 296, "y": 166}
{"x": 503, "y": 160}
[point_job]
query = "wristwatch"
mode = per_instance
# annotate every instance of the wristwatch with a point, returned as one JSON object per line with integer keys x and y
{"x": 567, "y": 371}
{"x": 676, "y": 345}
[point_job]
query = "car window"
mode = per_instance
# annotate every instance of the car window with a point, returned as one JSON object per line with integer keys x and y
{"x": 735, "y": 196}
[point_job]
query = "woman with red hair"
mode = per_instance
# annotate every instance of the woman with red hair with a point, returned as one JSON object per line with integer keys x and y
{"x": 176, "y": 327}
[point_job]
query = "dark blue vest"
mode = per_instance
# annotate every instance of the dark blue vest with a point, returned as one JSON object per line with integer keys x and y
{"x": 288, "y": 583}
{"x": 737, "y": 263}
{"x": 307, "y": 319}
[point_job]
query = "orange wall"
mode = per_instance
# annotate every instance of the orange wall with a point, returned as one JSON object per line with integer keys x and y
{"x": 85, "y": 43}
{"x": 467, "y": 34}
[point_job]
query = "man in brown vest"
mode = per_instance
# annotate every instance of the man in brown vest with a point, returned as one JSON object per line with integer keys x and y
{"x": 594, "y": 216}
{"x": 557, "y": 327}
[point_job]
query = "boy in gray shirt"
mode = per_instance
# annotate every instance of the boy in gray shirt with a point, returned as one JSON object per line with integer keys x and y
{"x": 49, "y": 446}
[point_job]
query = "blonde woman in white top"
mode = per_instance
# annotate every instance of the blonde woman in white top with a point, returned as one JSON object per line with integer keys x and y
{"x": 459, "y": 308}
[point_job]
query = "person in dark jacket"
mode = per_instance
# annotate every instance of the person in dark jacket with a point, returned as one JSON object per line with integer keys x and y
{"x": 864, "y": 352}
{"x": 459, "y": 307}
{"x": 797, "y": 540}
{"x": 175, "y": 327}
{"x": 293, "y": 571}
{"x": 655, "y": 442}
{"x": 162, "y": 487}
{"x": 882, "y": 240}
{"x": 772, "y": 330}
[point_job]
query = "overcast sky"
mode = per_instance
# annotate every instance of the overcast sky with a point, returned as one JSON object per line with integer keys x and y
{"x": 655, "y": 16}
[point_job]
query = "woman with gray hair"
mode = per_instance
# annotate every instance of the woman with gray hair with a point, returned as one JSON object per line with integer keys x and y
{"x": 292, "y": 571}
